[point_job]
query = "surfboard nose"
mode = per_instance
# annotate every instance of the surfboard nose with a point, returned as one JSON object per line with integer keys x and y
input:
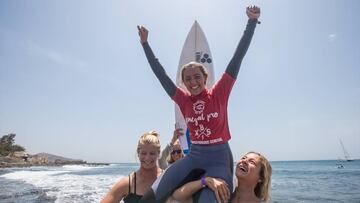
{"x": 195, "y": 25}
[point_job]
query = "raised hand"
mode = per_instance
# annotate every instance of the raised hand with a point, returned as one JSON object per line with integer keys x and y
{"x": 143, "y": 33}
{"x": 253, "y": 12}
{"x": 178, "y": 132}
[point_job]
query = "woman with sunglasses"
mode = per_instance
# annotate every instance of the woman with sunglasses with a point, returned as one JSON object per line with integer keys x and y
{"x": 172, "y": 152}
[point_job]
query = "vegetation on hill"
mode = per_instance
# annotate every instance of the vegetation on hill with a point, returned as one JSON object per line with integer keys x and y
{"x": 7, "y": 145}
{"x": 12, "y": 155}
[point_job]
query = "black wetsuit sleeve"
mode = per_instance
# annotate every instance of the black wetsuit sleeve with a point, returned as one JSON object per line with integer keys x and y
{"x": 234, "y": 65}
{"x": 159, "y": 71}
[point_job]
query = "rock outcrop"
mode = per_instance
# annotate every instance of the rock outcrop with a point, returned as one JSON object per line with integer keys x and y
{"x": 23, "y": 159}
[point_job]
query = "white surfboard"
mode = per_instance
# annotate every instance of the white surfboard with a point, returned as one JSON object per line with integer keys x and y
{"x": 196, "y": 48}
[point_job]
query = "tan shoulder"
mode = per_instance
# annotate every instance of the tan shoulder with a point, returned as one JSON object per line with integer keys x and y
{"x": 118, "y": 191}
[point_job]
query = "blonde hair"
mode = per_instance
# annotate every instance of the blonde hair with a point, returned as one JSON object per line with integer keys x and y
{"x": 151, "y": 137}
{"x": 263, "y": 188}
{"x": 169, "y": 158}
{"x": 193, "y": 65}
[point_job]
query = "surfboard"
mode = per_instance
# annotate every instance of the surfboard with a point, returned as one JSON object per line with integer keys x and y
{"x": 196, "y": 48}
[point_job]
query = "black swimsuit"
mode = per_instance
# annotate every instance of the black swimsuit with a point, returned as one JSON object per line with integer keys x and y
{"x": 132, "y": 197}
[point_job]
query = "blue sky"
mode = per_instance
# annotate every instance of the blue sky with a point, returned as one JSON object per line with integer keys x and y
{"x": 74, "y": 80}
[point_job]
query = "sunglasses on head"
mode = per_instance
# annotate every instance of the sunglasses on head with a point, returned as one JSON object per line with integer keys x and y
{"x": 177, "y": 151}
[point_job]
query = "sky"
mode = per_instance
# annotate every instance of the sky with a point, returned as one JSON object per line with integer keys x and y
{"x": 74, "y": 80}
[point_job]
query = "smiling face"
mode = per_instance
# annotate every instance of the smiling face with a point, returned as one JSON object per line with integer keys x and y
{"x": 194, "y": 77}
{"x": 248, "y": 168}
{"x": 148, "y": 150}
{"x": 254, "y": 170}
{"x": 148, "y": 155}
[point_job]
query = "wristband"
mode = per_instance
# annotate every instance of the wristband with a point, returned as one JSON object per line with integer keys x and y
{"x": 202, "y": 180}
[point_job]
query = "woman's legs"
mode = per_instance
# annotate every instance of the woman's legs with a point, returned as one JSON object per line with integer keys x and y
{"x": 171, "y": 178}
{"x": 216, "y": 160}
{"x": 218, "y": 168}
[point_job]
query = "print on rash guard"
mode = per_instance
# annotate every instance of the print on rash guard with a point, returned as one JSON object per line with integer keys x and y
{"x": 202, "y": 126}
{"x": 206, "y": 114}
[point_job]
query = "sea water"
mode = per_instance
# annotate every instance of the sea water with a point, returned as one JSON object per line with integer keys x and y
{"x": 292, "y": 181}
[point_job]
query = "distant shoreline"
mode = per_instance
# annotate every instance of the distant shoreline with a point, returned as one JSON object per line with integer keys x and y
{"x": 27, "y": 165}
{"x": 23, "y": 160}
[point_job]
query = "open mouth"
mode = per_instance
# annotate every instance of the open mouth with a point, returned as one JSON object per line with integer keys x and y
{"x": 243, "y": 168}
{"x": 195, "y": 87}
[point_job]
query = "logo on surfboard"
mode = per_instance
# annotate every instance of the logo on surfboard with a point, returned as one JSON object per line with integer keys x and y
{"x": 203, "y": 57}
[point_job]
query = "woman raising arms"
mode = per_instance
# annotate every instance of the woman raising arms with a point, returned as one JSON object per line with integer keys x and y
{"x": 205, "y": 113}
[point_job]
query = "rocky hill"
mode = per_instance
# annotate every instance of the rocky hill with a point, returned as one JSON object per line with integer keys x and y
{"x": 53, "y": 158}
{"x": 12, "y": 155}
{"x": 22, "y": 159}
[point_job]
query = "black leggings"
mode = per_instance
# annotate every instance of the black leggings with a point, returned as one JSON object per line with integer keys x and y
{"x": 216, "y": 160}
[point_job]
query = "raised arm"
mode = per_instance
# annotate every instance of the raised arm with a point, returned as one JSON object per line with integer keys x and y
{"x": 217, "y": 185}
{"x": 157, "y": 68}
{"x": 163, "y": 164}
{"x": 253, "y": 12}
{"x": 163, "y": 156}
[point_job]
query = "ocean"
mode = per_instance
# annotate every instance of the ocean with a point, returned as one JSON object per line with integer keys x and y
{"x": 292, "y": 181}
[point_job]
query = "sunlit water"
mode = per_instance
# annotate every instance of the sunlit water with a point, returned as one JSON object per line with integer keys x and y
{"x": 293, "y": 181}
